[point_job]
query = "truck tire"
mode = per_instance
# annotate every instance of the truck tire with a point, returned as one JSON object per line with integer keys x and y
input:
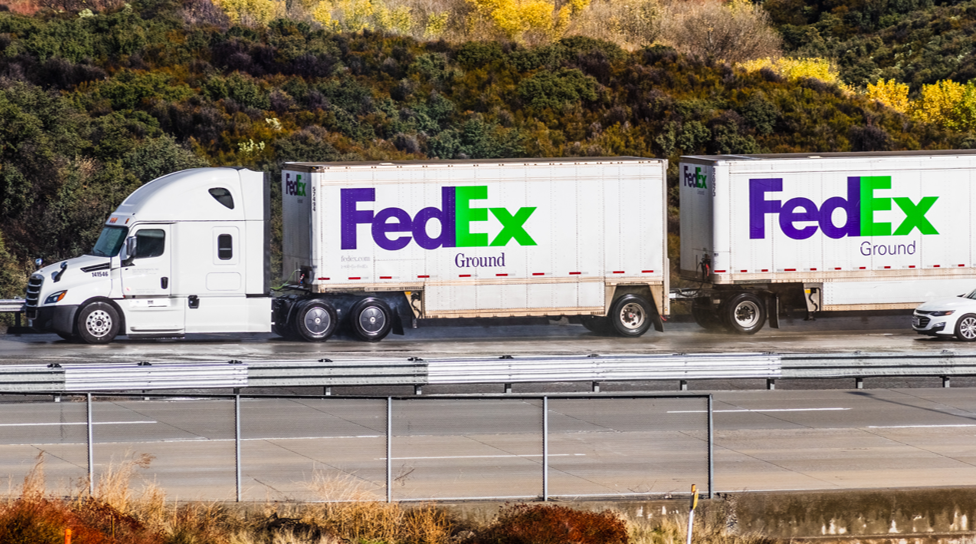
{"x": 597, "y": 324}
{"x": 630, "y": 315}
{"x": 966, "y": 328}
{"x": 315, "y": 320}
{"x": 744, "y": 313}
{"x": 706, "y": 316}
{"x": 97, "y": 323}
{"x": 371, "y": 319}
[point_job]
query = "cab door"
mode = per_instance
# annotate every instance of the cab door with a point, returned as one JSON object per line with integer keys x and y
{"x": 146, "y": 278}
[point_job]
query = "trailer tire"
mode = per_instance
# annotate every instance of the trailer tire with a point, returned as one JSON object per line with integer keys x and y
{"x": 706, "y": 317}
{"x": 745, "y": 313}
{"x": 630, "y": 315}
{"x": 597, "y": 324}
{"x": 315, "y": 320}
{"x": 97, "y": 323}
{"x": 966, "y": 328}
{"x": 66, "y": 336}
{"x": 371, "y": 319}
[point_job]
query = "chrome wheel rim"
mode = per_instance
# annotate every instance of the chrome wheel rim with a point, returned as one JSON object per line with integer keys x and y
{"x": 632, "y": 316}
{"x": 746, "y": 314}
{"x": 967, "y": 328}
{"x": 98, "y": 323}
{"x": 372, "y": 319}
{"x": 317, "y": 321}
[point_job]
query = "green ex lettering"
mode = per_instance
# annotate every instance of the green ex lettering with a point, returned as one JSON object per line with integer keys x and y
{"x": 914, "y": 213}
{"x": 513, "y": 226}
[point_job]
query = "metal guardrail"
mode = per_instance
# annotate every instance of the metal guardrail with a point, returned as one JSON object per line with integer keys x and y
{"x": 11, "y": 306}
{"x": 469, "y": 370}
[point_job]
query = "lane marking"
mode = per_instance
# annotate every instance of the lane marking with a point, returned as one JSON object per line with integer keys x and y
{"x": 759, "y": 410}
{"x": 919, "y": 426}
{"x": 75, "y": 423}
{"x": 483, "y": 456}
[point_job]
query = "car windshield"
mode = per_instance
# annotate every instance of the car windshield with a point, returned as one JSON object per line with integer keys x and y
{"x": 972, "y": 294}
{"x": 110, "y": 241}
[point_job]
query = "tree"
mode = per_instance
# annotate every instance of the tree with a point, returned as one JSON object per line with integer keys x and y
{"x": 736, "y": 31}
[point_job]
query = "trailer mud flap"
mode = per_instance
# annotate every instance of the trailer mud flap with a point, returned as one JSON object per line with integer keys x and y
{"x": 772, "y": 310}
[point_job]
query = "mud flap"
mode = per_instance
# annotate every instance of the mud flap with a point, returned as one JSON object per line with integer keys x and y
{"x": 772, "y": 311}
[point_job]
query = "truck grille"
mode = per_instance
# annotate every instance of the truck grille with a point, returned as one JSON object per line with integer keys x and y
{"x": 33, "y": 295}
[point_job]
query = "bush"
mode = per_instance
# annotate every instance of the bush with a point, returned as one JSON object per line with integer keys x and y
{"x": 538, "y": 524}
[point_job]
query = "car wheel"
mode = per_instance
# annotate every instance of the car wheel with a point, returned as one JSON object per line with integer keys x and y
{"x": 97, "y": 323}
{"x": 966, "y": 328}
{"x": 371, "y": 319}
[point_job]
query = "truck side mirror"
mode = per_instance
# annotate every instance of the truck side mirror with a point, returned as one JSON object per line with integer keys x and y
{"x": 128, "y": 251}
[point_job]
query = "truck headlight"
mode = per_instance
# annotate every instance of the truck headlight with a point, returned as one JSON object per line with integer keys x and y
{"x": 55, "y": 297}
{"x": 940, "y": 314}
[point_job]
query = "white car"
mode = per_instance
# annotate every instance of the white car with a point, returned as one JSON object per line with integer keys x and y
{"x": 948, "y": 317}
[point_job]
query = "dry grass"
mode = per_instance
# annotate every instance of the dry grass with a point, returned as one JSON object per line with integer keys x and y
{"x": 674, "y": 530}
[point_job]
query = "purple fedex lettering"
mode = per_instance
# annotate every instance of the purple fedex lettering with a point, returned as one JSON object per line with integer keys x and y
{"x": 789, "y": 214}
{"x": 395, "y": 220}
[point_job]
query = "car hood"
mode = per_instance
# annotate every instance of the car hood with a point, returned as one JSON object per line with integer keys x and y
{"x": 943, "y": 304}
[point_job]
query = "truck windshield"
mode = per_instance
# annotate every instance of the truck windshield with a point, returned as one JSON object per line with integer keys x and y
{"x": 110, "y": 241}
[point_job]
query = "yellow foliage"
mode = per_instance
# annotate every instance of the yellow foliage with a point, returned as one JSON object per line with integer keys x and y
{"x": 518, "y": 18}
{"x": 249, "y": 11}
{"x": 436, "y": 25}
{"x": 398, "y": 20}
{"x": 937, "y": 102}
{"x": 890, "y": 93}
{"x": 322, "y": 13}
{"x": 794, "y": 69}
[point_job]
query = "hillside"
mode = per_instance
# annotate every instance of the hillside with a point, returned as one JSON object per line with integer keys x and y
{"x": 92, "y": 104}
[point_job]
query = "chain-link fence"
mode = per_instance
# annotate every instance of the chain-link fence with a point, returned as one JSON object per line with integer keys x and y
{"x": 255, "y": 448}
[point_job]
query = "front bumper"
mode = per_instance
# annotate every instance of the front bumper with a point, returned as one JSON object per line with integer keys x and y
{"x": 933, "y": 325}
{"x": 58, "y": 318}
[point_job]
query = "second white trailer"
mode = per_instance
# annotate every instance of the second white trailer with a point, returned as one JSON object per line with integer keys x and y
{"x": 828, "y": 232}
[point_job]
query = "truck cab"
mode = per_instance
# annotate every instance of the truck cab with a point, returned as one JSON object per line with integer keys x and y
{"x": 184, "y": 253}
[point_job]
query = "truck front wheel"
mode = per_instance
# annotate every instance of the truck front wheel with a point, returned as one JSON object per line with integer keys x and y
{"x": 315, "y": 320}
{"x": 630, "y": 315}
{"x": 97, "y": 323}
{"x": 371, "y": 319}
{"x": 744, "y": 313}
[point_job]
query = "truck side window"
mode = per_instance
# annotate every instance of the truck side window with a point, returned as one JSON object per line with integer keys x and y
{"x": 150, "y": 243}
{"x": 223, "y": 196}
{"x": 225, "y": 247}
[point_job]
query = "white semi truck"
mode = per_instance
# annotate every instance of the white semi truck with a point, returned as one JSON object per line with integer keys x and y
{"x": 371, "y": 245}
{"x": 828, "y": 232}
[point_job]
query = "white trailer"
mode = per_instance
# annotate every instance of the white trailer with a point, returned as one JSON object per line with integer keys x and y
{"x": 489, "y": 238}
{"x": 372, "y": 245}
{"x": 828, "y": 232}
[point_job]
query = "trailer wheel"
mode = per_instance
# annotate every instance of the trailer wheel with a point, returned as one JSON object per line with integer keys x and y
{"x": 315, "y": 320}
{"x": 371, "y": 319}
{"x": 744, "y": 313}
{"x": 596, "y": 324}
{"x": 630, "y": 315}
{"x": 97, "y": 323}
{"x": 706, "y": 317}
{"x": 966, "y": 328}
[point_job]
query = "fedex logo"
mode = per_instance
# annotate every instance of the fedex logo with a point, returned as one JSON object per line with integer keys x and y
{"x": 859, "y": 207}
{"x": 696, "y": 179}
{"x": 393, "y": 228}
{"x": 294, "y": 188}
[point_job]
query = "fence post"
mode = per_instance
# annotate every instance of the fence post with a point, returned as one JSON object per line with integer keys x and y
{"x": 91, "y": 454}
{"x": 545, "y": 448}
{"x": 237, "y": 442}
{"x": 711, "y": 451}
{"x": 389, "y": 449}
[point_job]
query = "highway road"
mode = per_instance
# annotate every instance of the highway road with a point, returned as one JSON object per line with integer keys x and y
{"x": 335, "y": 448}
{"x": 836, "y": 334}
